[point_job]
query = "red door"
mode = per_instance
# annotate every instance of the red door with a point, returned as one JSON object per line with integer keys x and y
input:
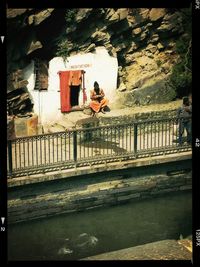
{"x": 64, "y": 91}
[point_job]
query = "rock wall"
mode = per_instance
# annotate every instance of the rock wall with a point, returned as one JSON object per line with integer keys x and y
{"x": 142, "y": 39}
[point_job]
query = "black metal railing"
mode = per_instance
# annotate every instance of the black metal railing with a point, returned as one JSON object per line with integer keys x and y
{"x": 90, "y": 146}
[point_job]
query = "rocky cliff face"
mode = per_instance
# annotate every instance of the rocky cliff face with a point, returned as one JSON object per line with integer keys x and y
{"x": 142, "y": 39}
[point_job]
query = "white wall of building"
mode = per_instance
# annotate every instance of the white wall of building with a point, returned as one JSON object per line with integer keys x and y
{"x": 98, "y": 66}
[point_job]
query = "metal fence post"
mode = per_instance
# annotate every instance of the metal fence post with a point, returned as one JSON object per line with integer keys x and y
{"x": 135, "y": 138}
{"x": 75, "y": 145}
{"x": 10, "y": 163}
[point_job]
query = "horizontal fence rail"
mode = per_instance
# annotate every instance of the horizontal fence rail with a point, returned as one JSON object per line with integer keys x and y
{"x": 94, "y": 145}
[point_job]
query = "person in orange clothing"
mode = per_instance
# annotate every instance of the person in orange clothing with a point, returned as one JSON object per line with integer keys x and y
{"x": 98, "y": 99}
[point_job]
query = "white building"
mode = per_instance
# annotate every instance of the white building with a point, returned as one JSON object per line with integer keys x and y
{"x": 98, "y": 66}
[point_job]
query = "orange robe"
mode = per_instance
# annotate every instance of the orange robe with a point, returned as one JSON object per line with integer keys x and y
{"x": 97, "y": 103}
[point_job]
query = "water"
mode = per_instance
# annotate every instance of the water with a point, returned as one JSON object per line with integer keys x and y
{"x": 75, "y": 236}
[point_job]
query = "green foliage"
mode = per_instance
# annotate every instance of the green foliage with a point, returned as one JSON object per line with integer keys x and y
{"x": 62, "y": 50}
{"x": 70, "y": 15}
{"x": 181, "y": 46}
{"x": 181, "y": 77}
{"x": 62, "y": 45}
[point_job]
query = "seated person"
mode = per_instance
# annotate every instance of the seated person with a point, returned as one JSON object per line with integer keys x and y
{"x": 98, "y": 101}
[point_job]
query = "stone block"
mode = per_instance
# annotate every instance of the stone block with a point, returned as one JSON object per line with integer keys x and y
{"x": 128, "y": 197}
{"x": 26, "y": 126}
{"x": 157, "y": 13}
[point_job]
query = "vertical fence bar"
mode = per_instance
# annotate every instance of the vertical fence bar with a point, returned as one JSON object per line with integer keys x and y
{"x": 126, "y": 138}
{"x": 36, "y": 142}
{"x": 15, "y": 151}
{"x": 65, "y": 146}
{"x": 69, "y": 145}
{"x": 130, "y": 138}
{"x": 45, "y": 140}
{"x": 20, "y": 154}
{"x": 169, "y": 133}
{"x": 80, "y": 144}
{"x": 162, "y": 134}
{"x": 103, "y": 139}
{"x": 49, "y": 149}
{"x": 10, "y": 163}
{"x": 147, "y": 135}
{"x": 28, "y": 152}
{"x": 24, "y": 154}
{"x": 135, "y": 138}
{"x": 75, "y": 145}
{"x": 144, "y": 135}
{"x": 57, "y": 147}
{"x": 166, "y": 133}
{"x": 151, "y": 125}
{"x": 83, "y": 144}
{"x": 40, "y": 152}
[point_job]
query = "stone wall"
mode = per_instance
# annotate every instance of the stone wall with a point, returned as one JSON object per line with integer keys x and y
{"x": 137, "y": 116}
{"x": 95, "y": 191}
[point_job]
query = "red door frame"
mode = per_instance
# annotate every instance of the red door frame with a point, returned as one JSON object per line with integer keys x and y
{"x": 65, "y": 89}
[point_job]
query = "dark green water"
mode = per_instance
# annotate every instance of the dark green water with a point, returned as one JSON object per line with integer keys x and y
{"x": 75, "y": 236}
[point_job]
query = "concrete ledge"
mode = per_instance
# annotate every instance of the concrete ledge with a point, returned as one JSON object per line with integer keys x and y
{"x": 98, "y": 168}
{"x": 160, "y": 250}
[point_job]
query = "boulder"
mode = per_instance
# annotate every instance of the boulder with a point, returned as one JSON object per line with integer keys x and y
{"x": 139, "y": 17}
{"x": 142, "y": 80}
{"x": 120, "y": 47}
{"x": 14, "y": 12}
{"x": 111, "y": 15}
{"x": 99, "y": 36}
{"x": 151, "y": 48}
{"x": 19, "y": 102}
{"x": 15, "y": 81}
{"x": 136, "y": 31}
{"x": 90, "y": 48}
{"x": 39, "y": 17}
{"x": 171, "y": 25}
{"x": 160, "y": 46}
{"x": 34, "y": 46}
{"x": 144, "y": 13}
{"x": 122, "y": 13}
{"x": 82, "y": 14}
{"x": 157, "y": 13}
{"x": 158, "y": 91}
{"x": 122, "y": 87}
{"x": 111, "y": 50}
{"x": 153, "y": 39}
{"x": 133, "y": 47}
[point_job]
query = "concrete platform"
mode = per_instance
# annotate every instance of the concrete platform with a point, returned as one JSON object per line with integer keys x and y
{"x": 160, "y": 250}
